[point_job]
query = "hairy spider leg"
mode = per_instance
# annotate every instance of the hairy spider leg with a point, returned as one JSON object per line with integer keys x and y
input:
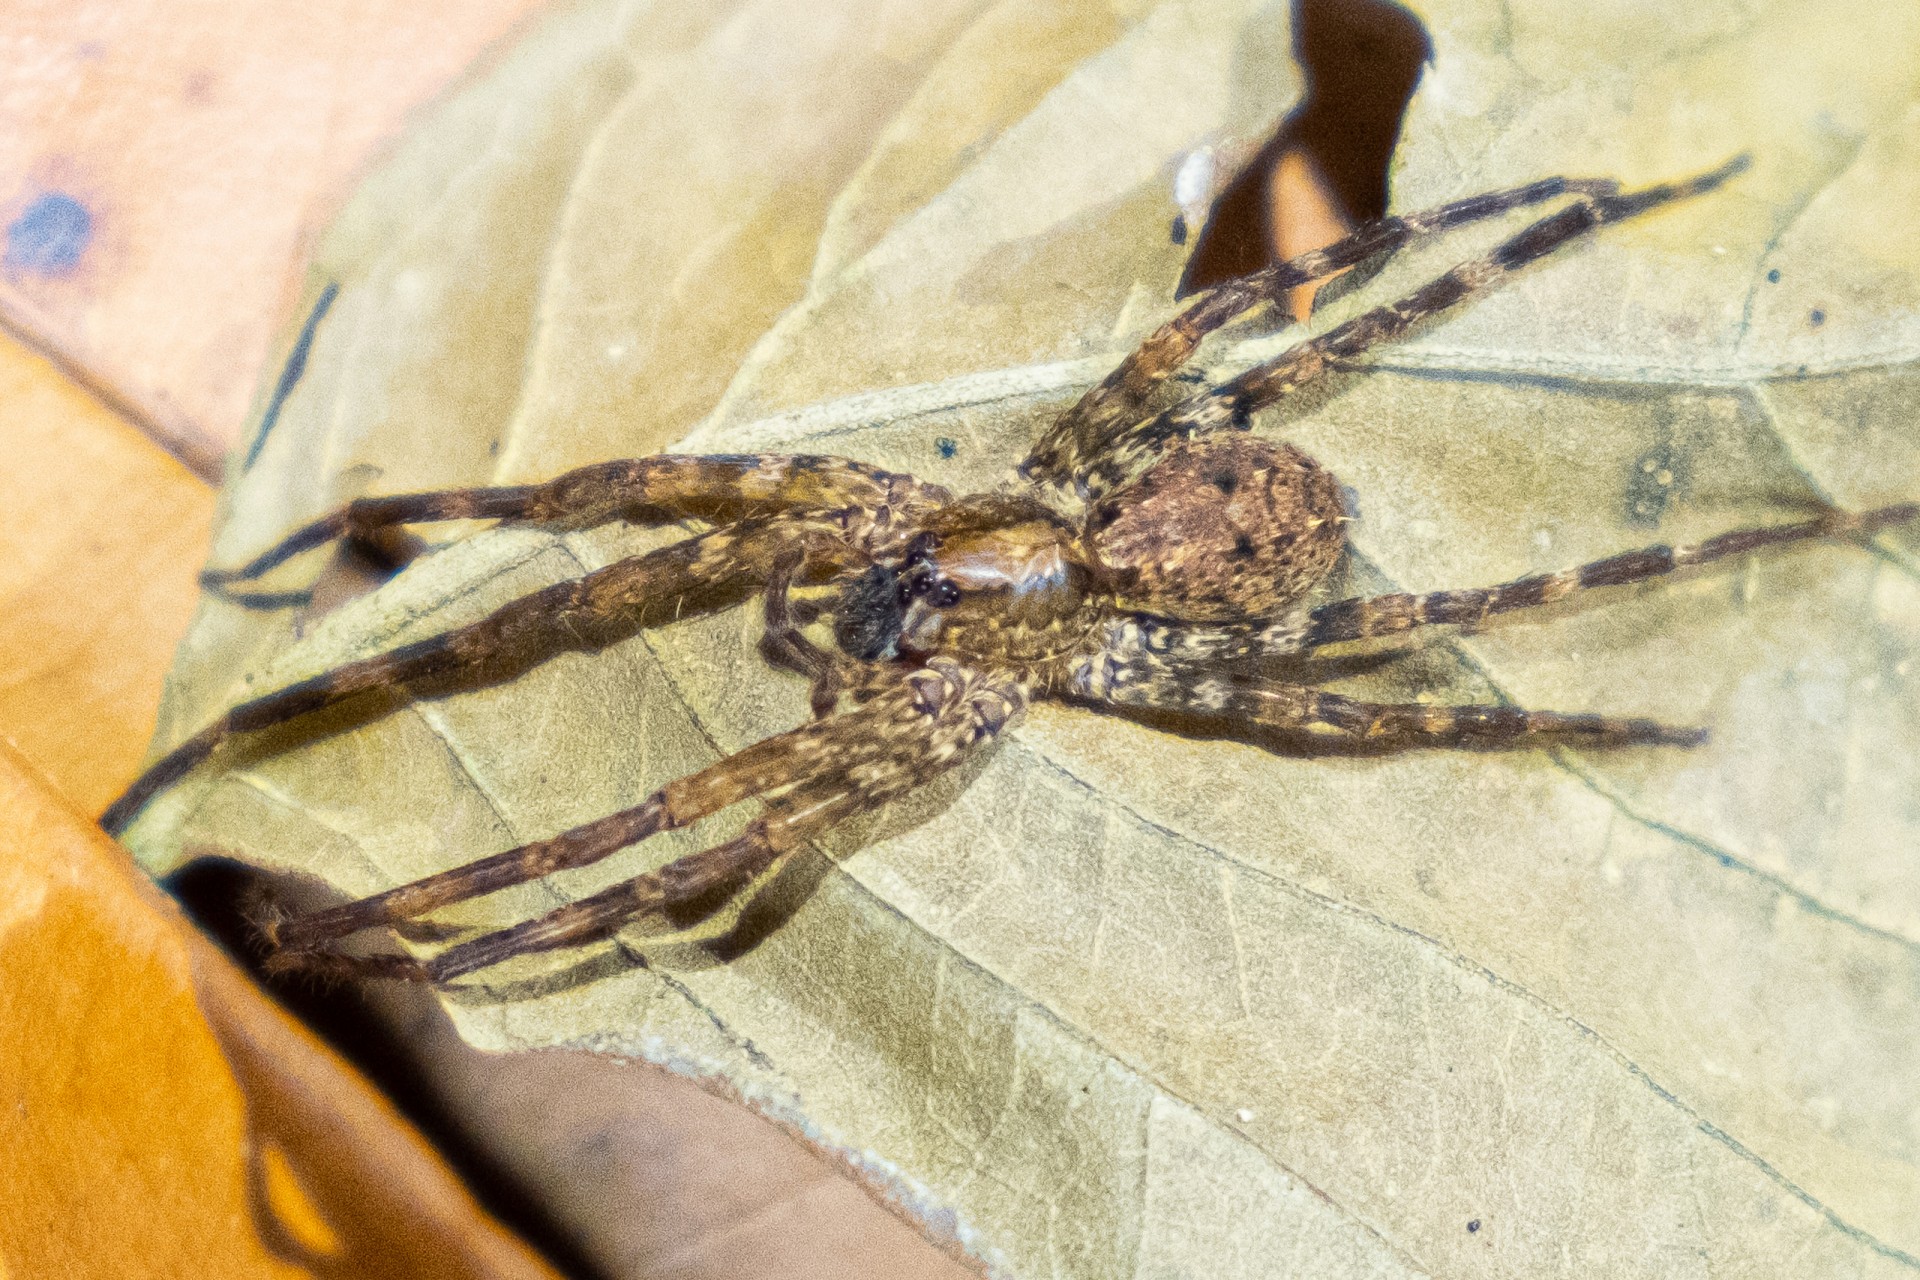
{"x": 1232, "y": 404}
{"x": 1082, "y": 432}
{"x": 653, "y": 490}
{"x": 759, "y": 768}
{"x": 784, "y": 645}
{"x": 1248, "y": 700}
{"x": 591, "y": 612}
{"x": 922, "y": 724}
{"x": 1364, "y": 617}
{"x": 810, "y": 755}
{"x": 727, "y": 866}
{"x": 1145, "y": 680}
{"x": 1196, "y": 644}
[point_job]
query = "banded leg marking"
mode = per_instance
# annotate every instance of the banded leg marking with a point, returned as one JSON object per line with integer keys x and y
{"x": 651, "y": 490}
{"x": 1362, "y": 618}
{"x": 1083, "y": 431}
{"x": 591, "y": 612}
{"x": 923, "y": 724}
{"x": 1232, "y": 404}
{"x": 1246, "y": 699}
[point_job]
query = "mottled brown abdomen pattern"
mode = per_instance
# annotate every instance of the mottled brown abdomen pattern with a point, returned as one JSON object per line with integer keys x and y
{"x": 1228, "y": 526}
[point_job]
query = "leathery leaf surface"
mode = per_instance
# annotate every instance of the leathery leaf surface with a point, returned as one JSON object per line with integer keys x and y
{"x": 1117, "y": 1002}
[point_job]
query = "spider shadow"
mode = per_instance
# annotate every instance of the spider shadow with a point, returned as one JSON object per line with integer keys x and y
{"x": 764, "y": 908}
{"x": 1298, "y": 744}
{"x": 358, "y": 564}
{"x": 396, "y": 1035}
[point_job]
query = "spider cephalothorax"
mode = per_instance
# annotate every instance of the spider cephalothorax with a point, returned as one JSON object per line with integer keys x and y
{"x": 1215, "y": 529}
{"x": 1155, "y": 562}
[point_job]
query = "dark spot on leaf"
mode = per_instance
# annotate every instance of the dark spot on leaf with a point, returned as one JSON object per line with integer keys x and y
{"x": 1243, "y": 548}
{"x": 1350, "y": 502}
{"x": 1653, "y": 480}
{"x": 1178, "y": 232}
{"x": 1816, "y": 317}
{"x": 946, "y": 447}
{"x": 1226, "y": 482}
{"x": 1773, "y": 276}
{"x": 49, "y": 237}
{"x": 1473, "y": 1226}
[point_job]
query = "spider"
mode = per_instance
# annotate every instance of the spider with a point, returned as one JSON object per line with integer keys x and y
{"x": 1145, "y": 560}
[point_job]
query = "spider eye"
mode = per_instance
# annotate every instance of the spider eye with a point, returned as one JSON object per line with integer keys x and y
{"x": 921, "y": 549}
{"x": 945, "y": 594}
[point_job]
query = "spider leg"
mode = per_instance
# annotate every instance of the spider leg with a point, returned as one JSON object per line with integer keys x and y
{"x": 1199, "y": 647}
{"x": 726, "y": 867}
{"x": 759, "y": 768}
{"x": 744, "y": 776}
{"x": 1083, "y": 431}
{"x": 785, "y": 645}
{"x": 921, "y": 724}
{"x": 652, "y": 490}
{"x": 591, "y": 612}
{"x": 1243, "y": 699}
{"x": 1232, "y": 403}
{"x": 1363, "y": 617}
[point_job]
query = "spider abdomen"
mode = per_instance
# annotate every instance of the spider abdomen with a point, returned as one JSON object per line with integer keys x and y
{"x": 1228, "y": 526}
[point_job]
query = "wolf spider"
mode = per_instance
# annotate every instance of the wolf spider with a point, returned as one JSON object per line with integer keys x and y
{"x": 1148, "y": 561}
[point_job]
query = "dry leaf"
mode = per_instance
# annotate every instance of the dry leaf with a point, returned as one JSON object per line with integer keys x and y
{"x": 1117, "y": 1002}
{"x": 155, "y": 1108}
{"x": 165, "y": 166}
{"x": 96, "y": 578}
{"x": 163, "y": 1118}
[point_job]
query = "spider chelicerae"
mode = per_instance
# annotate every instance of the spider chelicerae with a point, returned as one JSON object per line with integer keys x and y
{"x": 1144, "y": 559}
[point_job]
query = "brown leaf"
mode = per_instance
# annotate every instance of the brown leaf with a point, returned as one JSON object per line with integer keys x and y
{"x": 161, "y": 1113}
{"x": 157, "y": 1111}
{"x": 97, "y": 580}
{"x": 167, "y": 166}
